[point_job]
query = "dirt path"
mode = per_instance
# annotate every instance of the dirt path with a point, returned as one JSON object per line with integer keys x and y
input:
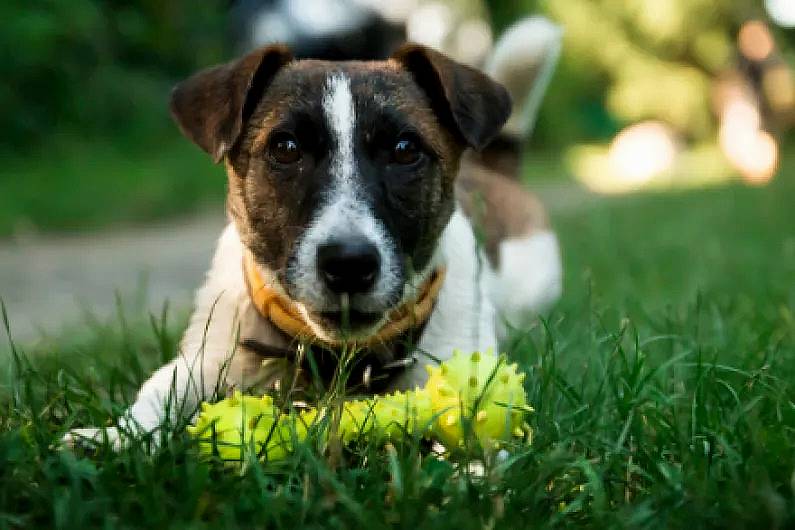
{"x": 47, "y": 283}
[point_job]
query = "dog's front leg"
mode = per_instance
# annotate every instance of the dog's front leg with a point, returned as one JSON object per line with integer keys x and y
{"x": 208, "y": 359}
{"x": 208, "y": 362}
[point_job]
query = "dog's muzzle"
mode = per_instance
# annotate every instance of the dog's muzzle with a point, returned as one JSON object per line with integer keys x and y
{"x": 292, "y": 319}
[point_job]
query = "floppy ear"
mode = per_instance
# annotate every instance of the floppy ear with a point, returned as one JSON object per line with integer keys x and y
{"x": 476, "y": 106}
{"x": 212, "y": 106}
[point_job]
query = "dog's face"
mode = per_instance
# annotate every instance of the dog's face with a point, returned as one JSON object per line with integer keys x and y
{"x": 341, "y": 175}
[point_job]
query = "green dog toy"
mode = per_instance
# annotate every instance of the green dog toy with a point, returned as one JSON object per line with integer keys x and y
{"x": 475, "y": 393}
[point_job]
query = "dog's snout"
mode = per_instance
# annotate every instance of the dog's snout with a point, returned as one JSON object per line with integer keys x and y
{"x": 349, "y": 265}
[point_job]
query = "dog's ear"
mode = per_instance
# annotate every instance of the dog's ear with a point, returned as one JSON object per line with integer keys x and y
{"x": 471, "y": 102}
{"x": 212, "y": 106}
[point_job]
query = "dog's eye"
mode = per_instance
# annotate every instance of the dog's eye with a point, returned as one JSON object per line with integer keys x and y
{"x": 406, "y": 151}
{"x": 283, "y": 149}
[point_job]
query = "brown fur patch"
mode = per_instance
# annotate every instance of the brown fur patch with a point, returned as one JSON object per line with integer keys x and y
{"x": 466, "y": 100}
{"x": 498, "y": 205}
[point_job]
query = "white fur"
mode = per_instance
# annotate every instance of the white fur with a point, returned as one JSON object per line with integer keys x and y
{"x": 202, "y": 355}
{"x": 529, "y": 279}
{"x": 524, "y": 60}
{"x": 344, "y": 214}
{"x": 463, "y": 317}
{"x": 338, "y": 106}
{"x": 205, "y": 351}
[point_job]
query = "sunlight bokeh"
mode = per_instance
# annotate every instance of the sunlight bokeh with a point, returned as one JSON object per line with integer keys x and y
{"x": 750, "y": 149}
{"x": 641, "y": 152}
{"x": 755, "y": 40}
{"x": 685, "y": 81}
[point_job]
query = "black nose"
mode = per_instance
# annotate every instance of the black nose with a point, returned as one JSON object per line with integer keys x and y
{"x": 348, "y": 265}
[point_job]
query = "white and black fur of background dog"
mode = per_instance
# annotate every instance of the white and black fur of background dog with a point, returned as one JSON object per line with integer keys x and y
{"x": 355, "y": 177}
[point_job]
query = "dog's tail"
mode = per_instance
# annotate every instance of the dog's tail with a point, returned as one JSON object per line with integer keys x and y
{"x": 523, "y": 60}
{"x": 525, "y": 276}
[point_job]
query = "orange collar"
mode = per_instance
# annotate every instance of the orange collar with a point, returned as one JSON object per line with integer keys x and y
{"x": 286, "y": 315}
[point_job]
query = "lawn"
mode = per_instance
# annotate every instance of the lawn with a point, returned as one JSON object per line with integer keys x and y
{"x": 663, "y": 383}
{"x": 76, "y": 183}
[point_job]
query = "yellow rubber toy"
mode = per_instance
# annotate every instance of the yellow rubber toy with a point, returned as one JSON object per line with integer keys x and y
{"x": 475, "y": 393}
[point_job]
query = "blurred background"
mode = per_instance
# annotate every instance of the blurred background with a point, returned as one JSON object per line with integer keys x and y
{"x": 99, "y": 194}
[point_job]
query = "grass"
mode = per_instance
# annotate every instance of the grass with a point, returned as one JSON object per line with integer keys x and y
{"x": 663, "y": 383}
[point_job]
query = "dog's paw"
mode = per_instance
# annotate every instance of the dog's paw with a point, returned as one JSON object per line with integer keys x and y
{"x": 90, "y": 438}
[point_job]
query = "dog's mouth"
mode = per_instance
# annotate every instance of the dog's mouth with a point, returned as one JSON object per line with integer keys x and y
{"x": 351, "y": 321}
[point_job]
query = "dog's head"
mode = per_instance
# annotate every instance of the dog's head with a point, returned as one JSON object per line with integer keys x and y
{"x": 341, "y": 174}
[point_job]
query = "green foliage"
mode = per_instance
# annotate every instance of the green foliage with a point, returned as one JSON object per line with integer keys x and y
{"x": 98, "y": 66}
{"x": 73, "y": 183}
{"x": 625, "y": 61}
{"x": 87, "y": 139}
{"x": 664, "y": 389}
{"x": 503, "y": 13}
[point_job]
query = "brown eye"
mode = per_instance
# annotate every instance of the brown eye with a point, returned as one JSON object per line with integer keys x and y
{"x": 406, "y": 151}
{"x": 283, "y": 149}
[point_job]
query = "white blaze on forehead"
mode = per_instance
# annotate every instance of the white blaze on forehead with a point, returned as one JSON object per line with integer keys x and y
{"x": 343, "y": 212}
{"x": 341, "y": 116}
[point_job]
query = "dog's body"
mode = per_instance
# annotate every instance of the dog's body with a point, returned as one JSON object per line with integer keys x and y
{"x": 348, "y": 191}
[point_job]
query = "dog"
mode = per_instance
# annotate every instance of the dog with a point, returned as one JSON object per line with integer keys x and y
{"x": 371, "y": 210}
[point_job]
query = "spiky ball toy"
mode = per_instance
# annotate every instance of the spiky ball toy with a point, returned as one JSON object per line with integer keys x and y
{"x": 239, "y": 422}
{"x": 387, "y": 417}
{"x": 479, "y": 392}
{"x": 475, "y": 393}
